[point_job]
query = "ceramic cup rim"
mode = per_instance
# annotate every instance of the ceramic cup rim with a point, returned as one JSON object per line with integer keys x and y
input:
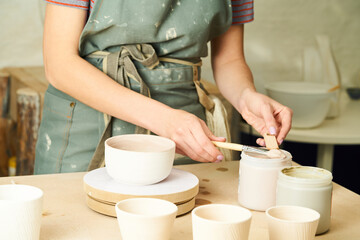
{"x": 244, "y": 218}
{"x": 269, "y": 161}
{"x": 315, "y": 218}
{"x": 172, "y": 207}
{"x": 325, "y": 176}
{"x": 37, "y": 193}
{"x": 170, "y": 143}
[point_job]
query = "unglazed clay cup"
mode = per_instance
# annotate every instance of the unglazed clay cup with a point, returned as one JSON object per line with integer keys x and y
{"x": 20, "y": 212}
{"x": 139, "y": 159}
{"x": 145, "y": 218}
{"x": 292, "y": 222}
{"x": 220, "y": 221}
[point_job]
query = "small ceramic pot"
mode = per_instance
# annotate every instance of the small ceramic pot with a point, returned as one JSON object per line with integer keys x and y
{"x": 20, "y": 212}
{"x": 145, "y": 218}
{"x": 292, "y": 222}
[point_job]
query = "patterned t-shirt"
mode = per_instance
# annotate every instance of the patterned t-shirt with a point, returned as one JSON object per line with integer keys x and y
{"x": 242, "y": 10}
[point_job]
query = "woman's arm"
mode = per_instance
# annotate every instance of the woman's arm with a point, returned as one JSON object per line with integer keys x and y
{"x": 235, "y": 82}
{"x": 70, "y": 73}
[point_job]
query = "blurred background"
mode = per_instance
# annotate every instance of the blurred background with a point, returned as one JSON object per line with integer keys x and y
{"x": 278, "y": 47}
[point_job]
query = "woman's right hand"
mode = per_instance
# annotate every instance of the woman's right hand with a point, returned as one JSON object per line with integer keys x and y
{"x": 191, "y": 135}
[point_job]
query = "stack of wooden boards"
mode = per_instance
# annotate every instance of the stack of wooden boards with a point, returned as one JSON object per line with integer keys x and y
{"x": 102, "y": 192}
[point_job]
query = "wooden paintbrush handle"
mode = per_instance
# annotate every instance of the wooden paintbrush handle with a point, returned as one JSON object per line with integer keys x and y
{"x": 232, "y": 146}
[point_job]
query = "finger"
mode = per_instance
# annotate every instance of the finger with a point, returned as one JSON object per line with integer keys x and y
{"x": 187, "y": 150}
{"x": 269, "y": 119}
{"x": 201, "y": 135}
{"x": 286, "y": 116}
{"x": 210, "y": 135}
{"x": 261, "y": 142}
{"x": 186, "y": 142}
{"x": 205, "y": 138}
{"x": 206, "y": 150}
{"x": 257, "y": 123}
{"x": 199, "y": 153}
{"x": 200, "y": 143}
{"x": 218, "y": 139}
{"x": 179, "y": 151}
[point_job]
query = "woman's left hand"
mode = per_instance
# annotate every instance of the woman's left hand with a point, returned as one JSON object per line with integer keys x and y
{"x": 234, "y": 80}
{"x": 265, "y": 115}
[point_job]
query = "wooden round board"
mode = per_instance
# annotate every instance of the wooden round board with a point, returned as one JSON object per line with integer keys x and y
{"x": 109, "y": 209}
{"x": 180, "y": 186}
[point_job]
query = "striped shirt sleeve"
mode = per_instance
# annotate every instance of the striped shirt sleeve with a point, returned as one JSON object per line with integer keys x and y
{"x": 81, "y": 4}
{"x": 242, "y": 11}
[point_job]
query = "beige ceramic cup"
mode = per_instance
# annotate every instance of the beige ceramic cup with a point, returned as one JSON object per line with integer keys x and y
{"x": 20, "y": 212}
{"x": 220, "y": 221}
{"x": 145, "y": 218}
{"x": 292, "y": 222}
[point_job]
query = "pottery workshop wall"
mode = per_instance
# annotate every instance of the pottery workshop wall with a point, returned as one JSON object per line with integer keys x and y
{"x": 274, "y": 42}
{"x": 20, "y": 33}
{"x": 282, "y": 29}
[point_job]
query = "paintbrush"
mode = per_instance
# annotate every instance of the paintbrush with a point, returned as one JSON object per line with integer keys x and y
{"x": 240, "y": 147}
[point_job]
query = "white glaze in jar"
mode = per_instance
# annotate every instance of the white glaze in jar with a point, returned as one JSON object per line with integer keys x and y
{"x": 307, "y": 187}
{"x": 257, "y": 179}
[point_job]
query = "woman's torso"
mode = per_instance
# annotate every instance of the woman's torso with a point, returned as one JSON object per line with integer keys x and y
{"x": 175, "y": 28}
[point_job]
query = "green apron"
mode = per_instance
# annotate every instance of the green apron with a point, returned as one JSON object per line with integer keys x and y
{"x": 123, "y": 33}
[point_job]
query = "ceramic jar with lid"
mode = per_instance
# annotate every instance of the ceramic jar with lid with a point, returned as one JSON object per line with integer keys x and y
{"x": 307, "y": 187}
{"x": 258, "y": 176}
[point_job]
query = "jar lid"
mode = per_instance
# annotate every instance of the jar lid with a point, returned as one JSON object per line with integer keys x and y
{"x": 264, "y": 160}
{"x": 306, "y": 175}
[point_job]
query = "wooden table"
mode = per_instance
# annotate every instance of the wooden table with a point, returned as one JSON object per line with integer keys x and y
{"x": 66, "y": 215}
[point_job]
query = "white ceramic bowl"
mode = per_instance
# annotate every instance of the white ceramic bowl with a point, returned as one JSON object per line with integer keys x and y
{"x": 309, "y": 101}
{"x": 138, "y": 159}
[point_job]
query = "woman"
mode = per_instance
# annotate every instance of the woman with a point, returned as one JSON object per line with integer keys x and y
{"x": 149, "y": 50}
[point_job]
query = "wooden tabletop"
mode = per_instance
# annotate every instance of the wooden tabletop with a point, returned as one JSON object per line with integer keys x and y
{"x": 66, "y": 215}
